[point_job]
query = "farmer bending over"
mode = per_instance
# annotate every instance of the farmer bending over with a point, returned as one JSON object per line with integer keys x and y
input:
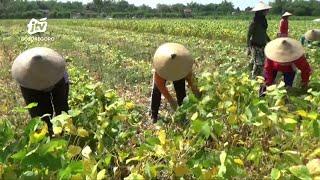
{"x": 284, "y": 55}
{"x": 171, "y": 62}
{"x": 43, "y": 79}
{"x": 310, "y": 36}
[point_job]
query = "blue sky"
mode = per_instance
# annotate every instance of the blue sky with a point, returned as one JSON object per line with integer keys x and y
{"x": 152, "y": 3}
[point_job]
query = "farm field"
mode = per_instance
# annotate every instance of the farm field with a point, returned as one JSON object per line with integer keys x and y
{"x": 231, "y": 133}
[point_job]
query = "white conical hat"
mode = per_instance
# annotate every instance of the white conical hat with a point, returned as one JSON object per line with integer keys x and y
{"x": 313, "y": 35}
{"x": 287, "y": 14}
{"x": 284, "y": 50}
{"x": 261, "y": 6}
{"x": 38, "y": 68}
{"x": 172, "y": 61}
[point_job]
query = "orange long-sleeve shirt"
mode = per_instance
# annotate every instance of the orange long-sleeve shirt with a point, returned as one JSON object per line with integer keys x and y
{"x": 161, "y": 84}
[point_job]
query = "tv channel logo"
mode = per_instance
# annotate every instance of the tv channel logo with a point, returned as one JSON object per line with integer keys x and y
{"x": 36, "y": 26}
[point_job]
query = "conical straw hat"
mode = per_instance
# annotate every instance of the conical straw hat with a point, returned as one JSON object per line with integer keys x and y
{"x": 313, "y": 35}
{"x": 287, "y": 14}
{"x": 261, "y": 6}
{"x": 172, "y": 61}
{"x": 38, "y": 68}
{"x": 284, "y": 50}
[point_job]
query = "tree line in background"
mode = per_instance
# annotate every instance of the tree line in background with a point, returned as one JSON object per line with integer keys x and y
{"x": 122, "y": 9}
{"x": 297, "y": 7}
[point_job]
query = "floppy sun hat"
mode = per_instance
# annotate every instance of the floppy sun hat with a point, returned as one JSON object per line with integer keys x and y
{"x": 287, "y": 14}
{"x": 172, "y": 61}
{"x": 313, "y": 35}
{"x": 284, "y": 50}
{"x": 38, "y": 68}
{"x": 261, "y": 6}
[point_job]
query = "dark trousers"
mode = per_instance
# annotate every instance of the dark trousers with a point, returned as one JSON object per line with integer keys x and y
{"x": 180, "y": 88}
{"x": 51, "y": 102}
{"x": 288, "y": 78}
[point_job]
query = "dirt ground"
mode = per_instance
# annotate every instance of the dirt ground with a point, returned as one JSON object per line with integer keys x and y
{"x": 1, "y": 54}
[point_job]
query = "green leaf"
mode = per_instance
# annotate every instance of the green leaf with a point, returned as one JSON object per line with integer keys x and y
{"x": 32, "y": 151}
{"x": 201, "y": 127}
{"x": 302, "y": 113}
{"x": 300, "y": 172}
{"x": 101, "y": 175}
{"x": 273, "y": 117}
{"x": 271, "y": 88}
{"x": 150, "y": 171}
{"x": 153, "y": 141}
{"x": 53, "y": 146}
{"x": 275, "y": 174}
{"x": 74, "y": 112}
{"x": 314, "y": 154}
{"x": 162, "y": 136}
{"x": 222, "y": 157}
{"x": 35, "y": 137}
{"x": 222, "y": 168}
{"x": 314, "y": 166}
{"x": 274, "y": 150}
{"x": 6, "y": 132}
{"x": 73, "y": 151}
{"x": 61, "y": 119}
{"x": 50, "y": 161}
{"x": 82, "y": 132}
{"x": 181, "y": 170}
{"x": 134, "y": 176}
{"x": 263, "y": 108}
{"x": 313, "y": 115}
{"x": 107, "y": 160}
{"x": 123, "y": 156}
{"x": 316, "y": 129}
{"x": 86, "y": 151}
{"x": 248, "y": 113}
{"x": 194, "y": 116}
{"x": 138, "y": 158}
{"x": 29, "y": 175}
{"x": 292, "y": 157}
{"x": 227, "y": 104}
{"x": 32, "y": 126}
{"x": 255, "y": 155}
{"x": 20, "y": 155}
{"x": 289, "y": 120}
{"x": 72, "y": 168}
{"x": 218, "y": 128}
{"x": 31, "y": 105}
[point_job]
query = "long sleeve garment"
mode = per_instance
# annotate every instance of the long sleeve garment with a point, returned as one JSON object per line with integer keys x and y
{"x": 284, "y": 28}
{"x": 49, "y": 102}
{"x": 257, "y": 35}
{"x": 271, "y": 66}
{"x": 160, "y": 83}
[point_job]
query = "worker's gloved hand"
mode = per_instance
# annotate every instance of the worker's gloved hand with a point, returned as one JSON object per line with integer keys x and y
{"x": 173, "y": 104}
